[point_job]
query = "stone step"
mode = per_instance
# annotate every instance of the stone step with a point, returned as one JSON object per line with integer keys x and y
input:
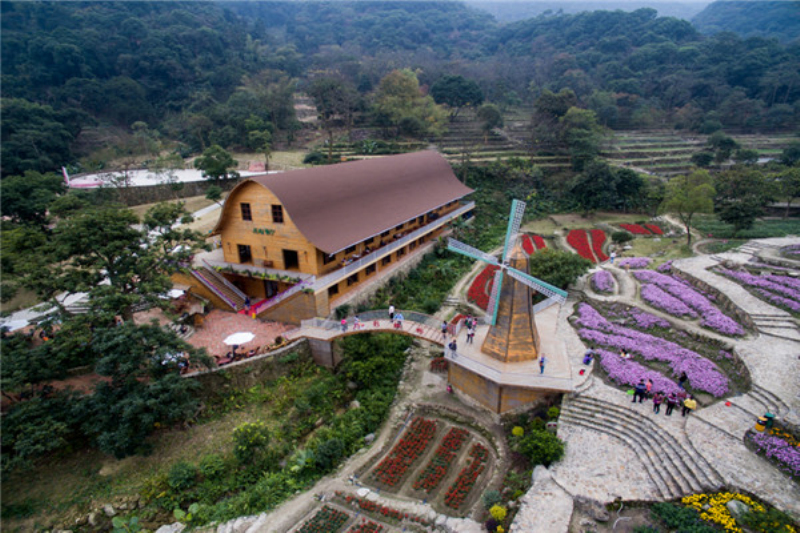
{"x": 769, "y": 400}
{"x": 704, "y": 474}
{"x": 666, "y": 457}
{"x": 663, "y": 483}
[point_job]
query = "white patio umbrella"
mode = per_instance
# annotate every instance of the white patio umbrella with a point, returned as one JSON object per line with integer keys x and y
{"x": 14, "y": 325}
{"x": 239, "y": 338}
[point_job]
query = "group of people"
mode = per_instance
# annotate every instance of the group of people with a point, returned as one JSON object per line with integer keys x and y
{"x": 644, "y": 390}
{"x": 672, "y": 400}
{"x": 396, "y": 318}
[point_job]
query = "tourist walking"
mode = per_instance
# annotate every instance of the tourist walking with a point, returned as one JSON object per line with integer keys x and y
{"x": 649, "y": 387}
{"x": 452, "y": 346}
{"x": 470, "y": 336}
{"x": 398, "y": 321}
{"x": 247, "y": 304}
{"x": 689, "y": 404}
{"x": 542, "y": 362}
{"x": 640, "y": 391}
{"x": 672, "y": 402}
{"x": 588, "y": 357}
{"x": 344, "y": 324}
{"x": 658, "y": 399}
{"x": 444, "y": 329}
{"x": 682, "y": 380}
{"x": 356, "y": 323}
{"x": 613, "y": 256}
{"x": 391, "y": 313}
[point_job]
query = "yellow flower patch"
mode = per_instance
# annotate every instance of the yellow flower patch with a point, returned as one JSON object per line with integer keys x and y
{"x": 717, "y": 512}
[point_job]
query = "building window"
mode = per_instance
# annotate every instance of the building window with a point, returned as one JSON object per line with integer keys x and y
{"x": 290, "y": 259}
{"x": 398, "y": 228}
{"x": 421, "y": 219}
{"x": 246, "y": 214}
{"x": 245, "y": 255}
{"x": 386, "y": 260}
{"x": 277, "y": 214}
{"x": 385, "y": 234}
{"x": 401, "y": 252}
{"x": 333, "y": 290}
{"x": 353, "y": 279}
{"x": 350, "y": 249}
{"x": 412, "y": 245}
{"x": 369, "y": 241}
{"x": 328, "y": 258}
{"x": 370, "y": 269}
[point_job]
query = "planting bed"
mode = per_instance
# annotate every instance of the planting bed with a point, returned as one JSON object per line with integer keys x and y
{"x": 481, "y": 287}
{"x": 780, "y": 447}
{"x": 603, "y": 281}
{"x": 436, "y": 461}
{"x": 781, "y": 291}
{"x": 678, "y": 298}
{"x": 532, "y": 243}
{"x": 659, "y": 352}
{"x": 588, "y": 244}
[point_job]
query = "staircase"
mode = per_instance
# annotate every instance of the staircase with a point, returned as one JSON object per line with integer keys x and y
{"x": 672, "y": 463}
{"x": 217, "y": 284}
{"x": 770, "y": 401}
{"x": 776, "y": 325}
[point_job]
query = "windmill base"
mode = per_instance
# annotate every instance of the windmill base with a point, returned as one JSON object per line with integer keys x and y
{"x": 496, "y": 398}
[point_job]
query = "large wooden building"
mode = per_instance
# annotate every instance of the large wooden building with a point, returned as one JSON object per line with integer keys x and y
{"x": 298, "y": 242}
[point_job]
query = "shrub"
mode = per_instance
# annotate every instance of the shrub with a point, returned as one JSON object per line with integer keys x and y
{"x": 342, "y": 311}
{"x": 491, "y": 498}
{"x": 541, "y": 447}
{"x": 212, "y": 466}
{"x": 620, "y": 237}
{"x": 553, "y": 413}
{"x": 498, "y": 512}
{"x": 329, "y": 453}
{"x": 684, "y": 519}
{"x": 182, "y": 476}
{"x": 251, "y": 441}
{"x": 769, "y": 520}
{"x": 491, "y": 525}
{"x": 315, "y": 158}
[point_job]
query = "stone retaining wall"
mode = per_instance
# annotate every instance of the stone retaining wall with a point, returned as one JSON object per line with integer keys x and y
{"x": 249, "y": 372}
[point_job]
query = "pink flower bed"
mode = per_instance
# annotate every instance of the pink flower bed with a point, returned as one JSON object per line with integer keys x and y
{"x": 635, "y": 262}
{"x": 636, "y": 229}
{"x": 711, "y": 316}
{"x": 579, "y": 240}
{"x": 782, "y": 291}
{"x": 703, "y": 374}
{"x": 598, "y": 238}
{"x": 602, "y": 281}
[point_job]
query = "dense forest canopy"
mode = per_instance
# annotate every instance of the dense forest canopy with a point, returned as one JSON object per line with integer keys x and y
{"x": 205, "y": 74}
{"x": 752, "y": 18}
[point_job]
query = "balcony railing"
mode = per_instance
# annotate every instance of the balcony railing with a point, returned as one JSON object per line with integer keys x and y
{"x": 327, "y": 280}
{"x": 210, "y": 286}
{"x": 231, "y": 287}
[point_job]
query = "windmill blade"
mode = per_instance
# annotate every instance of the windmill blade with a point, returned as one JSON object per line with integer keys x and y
{"x": 538, "y": 285}
{"x": 494, "y": 297}
{"x": 465, "y": 249}
{"x": 514, "y": 222}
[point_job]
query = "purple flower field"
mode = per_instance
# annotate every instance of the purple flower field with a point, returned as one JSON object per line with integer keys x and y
{"x": 602, "y": 281}
{"x": 646, "y": 320}
{"x": 786, "y": 455}
{"x": 711, "y": 317}
{"x": 666, "y": 267}
{"x": 703, "y": 374}
{"x": 666, "y": 302}
{"x": 628, "y": 372}
{"x": 635, "y": 262}
{"x": 782, "y": 291}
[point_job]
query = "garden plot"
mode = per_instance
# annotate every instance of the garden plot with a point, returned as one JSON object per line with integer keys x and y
{"x": 658, "y": 352}
{"x": 354, "y": 515}
{"x": 435, "y": 461}
{"x": 780, "y": 291}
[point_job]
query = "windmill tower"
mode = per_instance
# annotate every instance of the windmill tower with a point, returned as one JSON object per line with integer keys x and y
{"x": 512, "y": 345}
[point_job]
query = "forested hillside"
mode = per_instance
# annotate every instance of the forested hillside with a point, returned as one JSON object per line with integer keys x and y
{"x": 752, "y": 18}
{"x": 200, "y": 74}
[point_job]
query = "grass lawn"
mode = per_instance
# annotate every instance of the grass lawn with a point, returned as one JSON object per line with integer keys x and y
{"x": 192, "y": 203}
{"x": 763, "y": 228}
{"x": 576, "y": 220}
{"x": 661, "y": 250}
{"x": 543, "y": 226}
{"x": 22, "y": 300}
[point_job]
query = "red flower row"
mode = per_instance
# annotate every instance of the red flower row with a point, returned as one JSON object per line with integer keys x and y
{"x": 532, "y": 243}
{"x": 367, "y": 526}
{"x": 413, "y": 444}
{"x": 598, "y": 238}
{"x": 539, "y": 242}
{"x": 438, "y": 364}
{"x": 437, "y": 468}
{"x": 579, "y": 240}
{"x": 636, "y": 229}
{"x": 481, "y": 287}
{"x": 654, "y": 229}
{"x": 467, "y": 478}
{"x": 325, "y": 520}
{"x": 386, "y": 512}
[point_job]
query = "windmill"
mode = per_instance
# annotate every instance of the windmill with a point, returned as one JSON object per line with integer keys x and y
{"x": 504, "y": 267}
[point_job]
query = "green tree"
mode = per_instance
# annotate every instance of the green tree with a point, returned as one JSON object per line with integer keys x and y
{"x": 216, "y": 163}
{"x": 456, "y": 92}
{"x": 491, "y": 118}
{"x": 145, "y": 389}
{"x": 722, "y": 145}
{"x": 791, "y": 154}
{"x": 688, "y": 195}
{"x": 25, "y": 199}
{"x": 337, "y": 102}
{"x": 741, "y": 195}
{"x": 399, "y": 97}
{"x": 557, "y": 267}
{"x": 787, "y": 184}
{"x": 595, "y": 188}
{"x": 582, "y": 135}
{"x": 746, "y": 156}
{"x": 214, "y": 193}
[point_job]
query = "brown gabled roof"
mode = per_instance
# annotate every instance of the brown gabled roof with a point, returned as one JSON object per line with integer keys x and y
{"x": 339, "y": 205}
